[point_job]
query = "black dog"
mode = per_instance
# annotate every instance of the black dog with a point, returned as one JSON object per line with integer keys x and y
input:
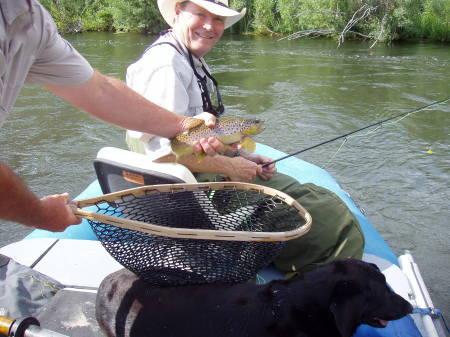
{"x": 329, "y": 301}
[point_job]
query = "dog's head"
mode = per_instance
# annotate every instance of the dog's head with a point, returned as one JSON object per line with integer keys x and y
{"x": 362, "y": 296}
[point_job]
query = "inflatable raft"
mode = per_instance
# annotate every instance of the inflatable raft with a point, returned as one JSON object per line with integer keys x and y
{"x": 78, "y": 262}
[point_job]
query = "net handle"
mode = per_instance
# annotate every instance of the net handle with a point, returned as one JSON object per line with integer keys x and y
{"x": 187, "y": 233}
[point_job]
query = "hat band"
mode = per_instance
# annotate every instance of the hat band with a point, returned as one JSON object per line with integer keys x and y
{"x": 217, "y": 2}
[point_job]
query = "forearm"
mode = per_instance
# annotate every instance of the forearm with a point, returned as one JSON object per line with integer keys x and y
{"x": 111, "y": 100}
{"x": 17, "y": 202}
{"x": 218, "y": 164}
{"x": 236, "y": 169}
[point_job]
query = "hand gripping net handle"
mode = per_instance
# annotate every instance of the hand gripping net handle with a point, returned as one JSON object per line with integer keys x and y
{"x": 204, "y": 234}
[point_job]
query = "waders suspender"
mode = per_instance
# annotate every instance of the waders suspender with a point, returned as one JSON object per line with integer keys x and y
{"x": 202, "y": 83}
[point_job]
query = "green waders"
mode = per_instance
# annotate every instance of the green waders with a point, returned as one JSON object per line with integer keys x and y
{"x": 335, "y": 232}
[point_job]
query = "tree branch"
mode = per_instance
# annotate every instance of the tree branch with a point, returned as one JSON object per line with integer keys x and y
{"x": 310, "y": 33}
{"x": 354, "y": 20}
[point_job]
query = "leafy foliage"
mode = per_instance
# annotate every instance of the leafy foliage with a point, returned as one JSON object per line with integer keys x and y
{"x": 137, "y": 16}
{"x": 435, "y": 20}
{"x": 387, "y": 20}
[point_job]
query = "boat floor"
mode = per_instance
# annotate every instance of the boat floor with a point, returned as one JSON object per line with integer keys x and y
{"x": 71, "y": 312}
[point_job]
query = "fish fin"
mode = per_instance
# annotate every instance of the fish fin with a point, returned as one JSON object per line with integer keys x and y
{"x": 179, "y": 149}
{"x": 176, "y": 155}
{"x": 200, "y": 156}
{"x": 191, "y": 123}
{"x": 248, "y": 144}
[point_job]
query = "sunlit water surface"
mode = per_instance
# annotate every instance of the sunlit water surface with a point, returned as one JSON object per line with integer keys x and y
{"x": 308, "y": 91}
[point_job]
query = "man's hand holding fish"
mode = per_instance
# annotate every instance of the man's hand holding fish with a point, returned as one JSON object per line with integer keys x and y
{"x": 210, "y": 145}
{"x": 234, "y": 165}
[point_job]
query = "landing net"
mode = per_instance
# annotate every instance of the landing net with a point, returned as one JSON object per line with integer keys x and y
{"x": 196, "y": 233}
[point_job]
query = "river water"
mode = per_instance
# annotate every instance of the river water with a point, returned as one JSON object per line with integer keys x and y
{"x": 308, "y": 91}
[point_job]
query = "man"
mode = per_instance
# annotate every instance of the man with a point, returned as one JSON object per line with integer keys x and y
{"x": 165, "y": 74}
{"x": 173, "y": 73}
{"x": 31, "y": 50}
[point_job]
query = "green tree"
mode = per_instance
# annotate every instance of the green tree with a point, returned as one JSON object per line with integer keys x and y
{"x": 381, "y": 20}
{"x": 136, "y": 16}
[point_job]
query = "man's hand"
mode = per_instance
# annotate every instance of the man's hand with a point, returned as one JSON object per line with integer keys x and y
{"x": 54, "y": 213}
{"x": 267, "y": 172}
{"x": 210, "y": 119}
{"x": 242, "y": 169}
{"x": 211, "y": 146}
{"x": 20, "y": 204}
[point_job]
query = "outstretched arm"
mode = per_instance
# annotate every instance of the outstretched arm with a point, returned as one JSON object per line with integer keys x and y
{"x": 19, "y": 204}
{"x": 113, "y": 101}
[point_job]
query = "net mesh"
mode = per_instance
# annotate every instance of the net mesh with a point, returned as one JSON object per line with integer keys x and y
{"x": 162, "y": 260}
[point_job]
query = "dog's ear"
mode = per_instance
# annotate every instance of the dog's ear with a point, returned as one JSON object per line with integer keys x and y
{"x": 347, "y": 305}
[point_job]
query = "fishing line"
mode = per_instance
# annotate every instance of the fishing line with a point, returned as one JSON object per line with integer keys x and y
{"x": 346, "y": 135}
{"x": 346, "y": 139}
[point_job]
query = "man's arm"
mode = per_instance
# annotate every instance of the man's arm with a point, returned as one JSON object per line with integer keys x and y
{"x": 113, "y": 101}
{"x": 236, "y": 169}
{"x": 19, "y": 204}
{"x": 244, "y": 168}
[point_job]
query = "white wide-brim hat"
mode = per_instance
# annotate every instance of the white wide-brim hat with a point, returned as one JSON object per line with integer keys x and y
{"x": 217, "y": 7}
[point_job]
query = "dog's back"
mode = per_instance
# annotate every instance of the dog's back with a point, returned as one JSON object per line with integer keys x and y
{"x": 330, "y": 301}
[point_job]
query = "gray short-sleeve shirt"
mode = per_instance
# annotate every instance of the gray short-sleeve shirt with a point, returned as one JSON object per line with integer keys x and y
{"x": 31, "y": 50}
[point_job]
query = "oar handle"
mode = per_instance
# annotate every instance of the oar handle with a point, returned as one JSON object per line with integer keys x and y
{"x": 5, "y": 325}
{"x": 25, "y": 326}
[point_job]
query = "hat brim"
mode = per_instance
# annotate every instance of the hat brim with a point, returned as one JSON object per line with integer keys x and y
{"x": 167, "y": 9}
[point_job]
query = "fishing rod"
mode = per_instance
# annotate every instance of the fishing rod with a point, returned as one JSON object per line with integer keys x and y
{"x": 404, "y": 114}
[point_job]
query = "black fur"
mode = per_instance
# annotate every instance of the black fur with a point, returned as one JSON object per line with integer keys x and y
{"x": 330, "y": 301}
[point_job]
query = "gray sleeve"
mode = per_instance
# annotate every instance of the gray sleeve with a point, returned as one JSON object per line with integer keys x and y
{"x": 57, "y": 62}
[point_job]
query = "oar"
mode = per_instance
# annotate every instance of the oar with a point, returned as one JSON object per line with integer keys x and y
{"x": 358, "y": 130}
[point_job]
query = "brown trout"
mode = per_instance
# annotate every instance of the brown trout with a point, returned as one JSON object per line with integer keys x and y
{"x": 227, "y": 129}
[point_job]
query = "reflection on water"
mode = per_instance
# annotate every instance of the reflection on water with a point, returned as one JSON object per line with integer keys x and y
{"x": 307, "y": 91}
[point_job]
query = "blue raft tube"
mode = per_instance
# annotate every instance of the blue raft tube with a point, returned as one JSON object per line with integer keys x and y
{"x": 306, "y": 173}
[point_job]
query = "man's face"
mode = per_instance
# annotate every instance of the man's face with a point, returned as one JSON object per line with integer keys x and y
{"x": 199, "y": 29}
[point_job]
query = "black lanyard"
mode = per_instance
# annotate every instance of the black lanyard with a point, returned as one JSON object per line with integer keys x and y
{"x": 202, "y": 84}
